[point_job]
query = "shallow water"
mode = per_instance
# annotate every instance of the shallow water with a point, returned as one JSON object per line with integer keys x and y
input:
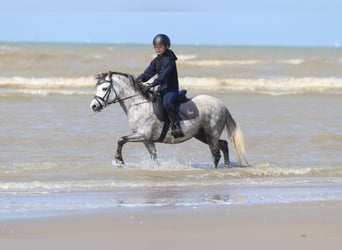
{"x": 56, "y": 156}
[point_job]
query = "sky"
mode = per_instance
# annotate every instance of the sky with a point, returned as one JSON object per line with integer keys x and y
{"x": 212, "y": 22}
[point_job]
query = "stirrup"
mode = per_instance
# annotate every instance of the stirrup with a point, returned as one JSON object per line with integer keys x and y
{"x": 177, "y": 132}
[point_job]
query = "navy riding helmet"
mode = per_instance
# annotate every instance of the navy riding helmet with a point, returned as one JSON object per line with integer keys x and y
{"x": 161, "y": 39}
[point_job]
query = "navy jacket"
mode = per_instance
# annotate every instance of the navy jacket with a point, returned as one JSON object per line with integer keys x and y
{"x": 165, "y": 66}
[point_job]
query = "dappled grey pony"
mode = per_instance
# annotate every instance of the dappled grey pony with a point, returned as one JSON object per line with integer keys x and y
{"x": 207, "y": 126}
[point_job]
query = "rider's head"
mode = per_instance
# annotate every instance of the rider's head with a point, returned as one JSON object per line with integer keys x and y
{"x": 161, "y": 42}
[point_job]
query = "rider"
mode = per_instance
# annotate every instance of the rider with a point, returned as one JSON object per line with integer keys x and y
{"x": 164, "y": 64}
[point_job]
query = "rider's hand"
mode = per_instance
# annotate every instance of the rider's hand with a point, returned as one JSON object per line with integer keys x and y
{"x": 147, "y": 87}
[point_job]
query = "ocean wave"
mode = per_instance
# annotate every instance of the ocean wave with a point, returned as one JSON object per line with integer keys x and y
{"x": 219, "y": 62}
{"x": 5, "y": 48}
{"x": 148, "y": 174}
{"x": 187, "y": 60}
{"x": 85, "y": 85}
{"x": 295, "y": 61}
{"x": 185, "y": 57}
{"x": 183, "y": 186}
{"x": 285, "y": 172}
{"x": 277, "y": 86}
{"x": 66, "y": 186}
{"x": 320, "y": 61}
{"x": 46, "y": 83}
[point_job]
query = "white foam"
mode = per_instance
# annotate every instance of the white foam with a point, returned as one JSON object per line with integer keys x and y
{"x": 85, "y": 85}
{"x": 46, "y": 83}
{"x": 188, "y": 60}
{"x": 219, "y": 62}
{"x": 265, "y": 85}
{"x": 295, "y": 61}
{"x": 186, "y": 57}
{"x": 8, "y": 48}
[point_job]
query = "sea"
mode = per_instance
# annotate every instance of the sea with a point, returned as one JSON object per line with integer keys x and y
{"x": 56, "y": 155}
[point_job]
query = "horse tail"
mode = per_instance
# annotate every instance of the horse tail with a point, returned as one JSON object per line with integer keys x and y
{"x": 236, "y": 138}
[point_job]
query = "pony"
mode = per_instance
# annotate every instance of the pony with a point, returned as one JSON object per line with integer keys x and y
{"x": 207, "y": 126}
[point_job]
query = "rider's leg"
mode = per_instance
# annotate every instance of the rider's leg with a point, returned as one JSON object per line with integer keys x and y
{"x": 168, "y": 100}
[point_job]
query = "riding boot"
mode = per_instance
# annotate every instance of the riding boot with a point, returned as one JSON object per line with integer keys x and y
{"x": 176, "y": 129}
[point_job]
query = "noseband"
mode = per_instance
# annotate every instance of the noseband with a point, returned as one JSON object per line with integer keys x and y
{"x": 105, "y": 98}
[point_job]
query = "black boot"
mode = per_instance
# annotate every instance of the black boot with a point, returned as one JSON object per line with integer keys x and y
{"x": 176, "y": 129}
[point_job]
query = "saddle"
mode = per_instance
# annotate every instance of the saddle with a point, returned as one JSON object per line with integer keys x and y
{"x": 185, "y": 107}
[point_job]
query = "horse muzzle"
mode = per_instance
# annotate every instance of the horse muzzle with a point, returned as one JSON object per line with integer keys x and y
{"x": 96, "y": 105}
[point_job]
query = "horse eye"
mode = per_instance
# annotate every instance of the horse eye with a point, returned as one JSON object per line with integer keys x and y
{"x": 104, "y": 89}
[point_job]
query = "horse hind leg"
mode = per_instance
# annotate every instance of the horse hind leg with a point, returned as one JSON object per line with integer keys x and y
{"x": 216, "y": 155}
{"x": 223, "y": 144}
{"x": 215, "y": 147}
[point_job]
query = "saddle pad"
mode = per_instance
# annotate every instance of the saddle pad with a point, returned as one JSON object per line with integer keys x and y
{"x": 186, "y": 111}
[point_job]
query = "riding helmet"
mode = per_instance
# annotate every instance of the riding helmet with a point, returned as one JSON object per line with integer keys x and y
{"x": 161, "y": 39}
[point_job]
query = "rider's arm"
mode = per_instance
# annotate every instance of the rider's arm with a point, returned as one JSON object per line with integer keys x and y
{"x": 168, "y": 66}
{"x": 149, "y": 72}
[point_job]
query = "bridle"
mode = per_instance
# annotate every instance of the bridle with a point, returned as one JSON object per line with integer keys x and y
{"x": 103, "y": 101}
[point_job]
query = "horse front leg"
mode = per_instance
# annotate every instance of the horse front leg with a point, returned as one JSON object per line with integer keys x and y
{"x": 130, "y": 138}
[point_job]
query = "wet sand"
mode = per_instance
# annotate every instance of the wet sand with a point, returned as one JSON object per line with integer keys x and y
{"x": 311, "y": 225}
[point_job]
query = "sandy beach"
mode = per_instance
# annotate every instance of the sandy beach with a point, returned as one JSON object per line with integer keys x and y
{"x": 312, "y": 225}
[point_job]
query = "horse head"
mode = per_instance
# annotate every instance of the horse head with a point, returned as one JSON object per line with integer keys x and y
{"x": 105, "y": 92}
{"x": 111, "y": 90}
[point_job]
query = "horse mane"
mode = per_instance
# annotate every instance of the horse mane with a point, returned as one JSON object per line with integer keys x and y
{"x": 136, "y": 85}
{"x": 100, "y": 77}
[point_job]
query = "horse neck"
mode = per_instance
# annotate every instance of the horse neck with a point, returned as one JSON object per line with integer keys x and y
{"x": 126, "y": 89}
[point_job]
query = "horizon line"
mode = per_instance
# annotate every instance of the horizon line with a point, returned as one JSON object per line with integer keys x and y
{"x": 335, "y": 45}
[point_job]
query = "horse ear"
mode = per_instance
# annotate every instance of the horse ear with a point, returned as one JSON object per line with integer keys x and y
{"x": 110, "y": 74}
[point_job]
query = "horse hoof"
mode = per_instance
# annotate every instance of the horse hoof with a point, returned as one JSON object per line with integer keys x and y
{"x": 117, "y": 163}
{"x": 228, "y": 165}
{"x": 156, "y": 163}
